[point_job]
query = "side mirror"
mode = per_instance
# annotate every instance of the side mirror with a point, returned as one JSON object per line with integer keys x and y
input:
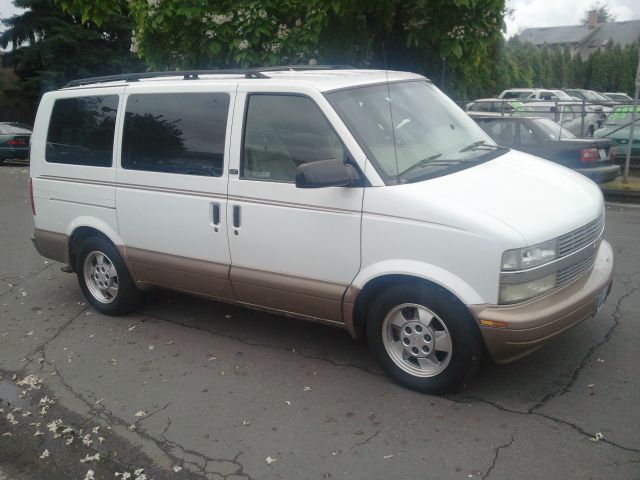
{"x": 326, "y": 173}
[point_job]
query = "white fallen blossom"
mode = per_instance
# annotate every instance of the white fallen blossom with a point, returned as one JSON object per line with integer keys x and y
{"x": 100, "y": 439}
{"x": 140, "y": 413}
{"x": 86, "y": 440}
{"x": 45, "y": 454}
{"x": 387, "y": 457}
{"x": 270, "y": 460}
{"x": 176, "y": 468}
{"x": 138, "y": 471}
{"x": 95, "y": 430}
{"x": 31, "y": 382}
{"x": 69, "y": 440}
{"x": 54, "y": 426}
{"x": 38, "y": 433}
{"x": 89, "y": 475}
{"x": 90, "y": 458}
{"x": 307, "y": 389}
{"x": 11, "y": 419}
{"x": 597, "y": 437}
{"x": 7, "y": 434}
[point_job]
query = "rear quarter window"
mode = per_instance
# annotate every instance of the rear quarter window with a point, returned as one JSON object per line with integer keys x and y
{"x": 81, "y": 131}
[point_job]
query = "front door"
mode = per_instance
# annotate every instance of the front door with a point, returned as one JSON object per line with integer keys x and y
{"x": 292, "y": 249}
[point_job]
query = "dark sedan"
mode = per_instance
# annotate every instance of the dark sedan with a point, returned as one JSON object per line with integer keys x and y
{"x": 14, "y": 141}
{"x": 547, "y": 139}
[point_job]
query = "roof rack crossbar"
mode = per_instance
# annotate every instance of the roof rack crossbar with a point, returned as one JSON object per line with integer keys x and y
{"x": 195, "y": 74}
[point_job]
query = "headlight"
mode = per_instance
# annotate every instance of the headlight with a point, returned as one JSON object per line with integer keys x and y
{"x": 529, "y": 257}
{"x": 519, "y": 292}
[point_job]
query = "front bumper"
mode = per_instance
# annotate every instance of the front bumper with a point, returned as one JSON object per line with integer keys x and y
{"x": 531, "y": 324}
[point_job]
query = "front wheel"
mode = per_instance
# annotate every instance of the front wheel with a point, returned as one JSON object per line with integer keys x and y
{"x": 104, "y": 278}
{"x": 424, "y": 337}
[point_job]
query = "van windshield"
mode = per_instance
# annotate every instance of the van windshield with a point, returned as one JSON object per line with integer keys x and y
{"x": 411, "y": 131}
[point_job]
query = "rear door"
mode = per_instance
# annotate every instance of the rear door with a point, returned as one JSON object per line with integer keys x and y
{"x": 172, "y": 181}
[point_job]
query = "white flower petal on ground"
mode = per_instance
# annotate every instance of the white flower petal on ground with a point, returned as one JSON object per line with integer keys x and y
{"x": 140, "y": 413}
{"x": 45, "y": 454}
{"x": 38, "y": 433}
{"x": 89, "y": 475}
{"x": 176, "y": 468}
{"x": 86, "y": 440}
{"x": 270, "y": 460}
{"x": 307, "y": 389}
{"x": 597, "y": 437}
{"x": 91, "y": 458}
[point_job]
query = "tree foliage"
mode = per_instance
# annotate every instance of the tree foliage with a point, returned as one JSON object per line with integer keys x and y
{"x": 435, "y": 37}
{"x": 51, "y": 47}
{"x": 611, "y": 69}
{"x": 603, "y": 13}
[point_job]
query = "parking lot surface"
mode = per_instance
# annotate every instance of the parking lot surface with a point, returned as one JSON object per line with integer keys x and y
{"x": 188, "y": 388}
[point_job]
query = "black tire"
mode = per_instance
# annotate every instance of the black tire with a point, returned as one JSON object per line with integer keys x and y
{"x": 451, "y": 317}
{"x": 126, "y": 298}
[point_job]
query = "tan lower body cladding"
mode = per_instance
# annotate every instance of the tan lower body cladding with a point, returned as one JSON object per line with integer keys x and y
{"x": 52, "y": 245}
{"x": 292, "y": 295}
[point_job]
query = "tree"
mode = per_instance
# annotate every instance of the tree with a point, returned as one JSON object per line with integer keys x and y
{"x": 603, "y": 13}
{"x": 51, "y": 47}
{"x": 443, "y": 39}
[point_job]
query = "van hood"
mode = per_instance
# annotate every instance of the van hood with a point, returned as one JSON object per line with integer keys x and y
{"x": 535, "y": 198}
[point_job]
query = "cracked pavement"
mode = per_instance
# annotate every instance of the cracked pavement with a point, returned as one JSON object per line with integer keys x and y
{"x": 221, "y": 388}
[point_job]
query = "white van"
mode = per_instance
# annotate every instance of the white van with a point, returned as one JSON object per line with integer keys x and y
{"x": 358, "y": 198}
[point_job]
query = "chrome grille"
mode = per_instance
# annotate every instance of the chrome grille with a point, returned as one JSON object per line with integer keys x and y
{"x": 580, "y": 237}
{"x": 570, "y": 273}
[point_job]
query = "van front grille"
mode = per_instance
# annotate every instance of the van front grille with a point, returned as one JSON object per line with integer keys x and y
{"x": 570, "y": 273}
{"x": 580, "y": 237}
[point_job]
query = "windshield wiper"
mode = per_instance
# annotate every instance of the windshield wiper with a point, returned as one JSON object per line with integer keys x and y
{"x": 481, "y": 145}
{"x": 420, "y": 163}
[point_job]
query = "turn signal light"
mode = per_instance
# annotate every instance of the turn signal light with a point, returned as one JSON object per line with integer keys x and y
{"x": 16, "y": 142}
{"x": 493, "y": 323}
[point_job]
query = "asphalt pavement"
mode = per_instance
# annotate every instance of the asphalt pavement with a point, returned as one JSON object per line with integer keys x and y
{"x": 189, "y": 389}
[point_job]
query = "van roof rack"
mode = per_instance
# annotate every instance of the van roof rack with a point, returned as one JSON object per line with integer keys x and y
{"x": 195, "y": 74}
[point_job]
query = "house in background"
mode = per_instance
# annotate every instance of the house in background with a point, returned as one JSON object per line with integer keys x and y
{"x": 583, "y": 40}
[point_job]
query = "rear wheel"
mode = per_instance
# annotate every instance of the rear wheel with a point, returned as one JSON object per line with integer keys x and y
{"x": 424, "y": 337}
{"x": 104, "y": 278}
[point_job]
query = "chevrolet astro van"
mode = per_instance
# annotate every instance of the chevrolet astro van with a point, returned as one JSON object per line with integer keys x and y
{"x": 362, "y": 199}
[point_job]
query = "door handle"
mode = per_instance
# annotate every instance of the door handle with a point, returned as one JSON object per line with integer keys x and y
{"x": 236, "y": 216}
{"x": 216, "y": 214}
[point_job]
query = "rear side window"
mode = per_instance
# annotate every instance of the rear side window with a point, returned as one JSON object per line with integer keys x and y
{"x": 81, "y": 131}
{"x": 175, "y": 133}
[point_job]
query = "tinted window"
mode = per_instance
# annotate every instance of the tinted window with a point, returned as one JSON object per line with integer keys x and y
{"x": 81, "y": 131}
{"x": 282, "y": 132}
{"x": 176, "y": 133}
{"x": 502, "y": 131}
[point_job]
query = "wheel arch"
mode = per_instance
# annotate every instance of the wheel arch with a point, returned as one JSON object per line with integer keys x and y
{"x": 365, "y": 288}
{"x": 84, "y": 228}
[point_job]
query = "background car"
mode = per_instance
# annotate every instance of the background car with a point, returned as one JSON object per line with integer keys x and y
{"x": 618, "y": 97}
{"x": 599, "y": 102}
{"x": 617, "y": 127}
{"x": 568, "y": 114}
{"x": 536, "y": 94}
{"x": 14, "y": 141}
{"x": 500, "y": 105}
{"x": 547, "y": 139}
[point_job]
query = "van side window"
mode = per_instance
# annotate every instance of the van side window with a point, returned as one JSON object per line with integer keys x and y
{"x": 81, "y": 131}
{"x": 175, "y": 133}
{"x": 282, "y": 132}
